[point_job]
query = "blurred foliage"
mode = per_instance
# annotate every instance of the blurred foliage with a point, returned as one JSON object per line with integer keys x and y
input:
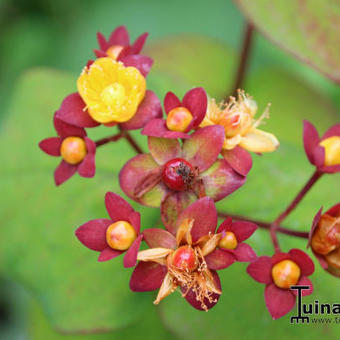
{"x": 312, "y": 35}
{"x": 75, "y": 292}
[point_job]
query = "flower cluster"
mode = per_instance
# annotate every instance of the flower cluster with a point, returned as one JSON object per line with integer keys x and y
{"x": 112, "y": 90}
{"x": 198, "y": 155}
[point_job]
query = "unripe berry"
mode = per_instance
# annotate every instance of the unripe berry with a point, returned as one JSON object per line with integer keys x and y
{"x": 286, "y": 273}
{"x": 120, "y": 235}
{"x": 332, "y": 150}
{"x": 179, "y": 119}
{"x": 184, "y": 258}
{"x": 113, "y": 51}
{"x": 73, "y": 150}
{"x": 228, "y": 241}
{"x": 178, "y": 174}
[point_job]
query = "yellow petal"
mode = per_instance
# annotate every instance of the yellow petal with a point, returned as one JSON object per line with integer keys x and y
{"x": 259, "y": 141}
{"x": 184, "y": 232}
{"x": 153, "y": 254}
{"x": 211, "y": 244}
{"x": 167, "y": 287}
{"x": 210, "y": 282}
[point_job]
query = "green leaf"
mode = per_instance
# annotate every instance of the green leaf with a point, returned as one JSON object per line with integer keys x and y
{"x": 38, "y": 247}
{"x": 307, "y": 29}
{"x": 292, "y": 100}
{"x": 148, "y": 328}
{"x": 176, "y": 61}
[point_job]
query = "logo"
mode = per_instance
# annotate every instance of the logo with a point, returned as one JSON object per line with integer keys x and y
{"x": 305, "y": 311}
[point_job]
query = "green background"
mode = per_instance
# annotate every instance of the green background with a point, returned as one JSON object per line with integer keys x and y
{"x": 49, "y": 281}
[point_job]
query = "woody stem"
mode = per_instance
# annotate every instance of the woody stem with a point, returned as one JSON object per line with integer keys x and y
{"x": 274, "y": 227}
{"x": 313, "y": 179}
{"x": 116, "y": 137}
{"x": 244, "y": 58}
{"x": 106, "y": 140}
{"x": 266, "y": 225}
{"x": 131, "y": 141}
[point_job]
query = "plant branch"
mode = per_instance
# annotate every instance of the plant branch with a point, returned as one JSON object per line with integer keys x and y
{"x": 244, "y": 58}
{"x": 106, "y": 140}
{"x": 131, "y": 141}
{"x": 313, "y": 179}
{"x": 266, "y": 225}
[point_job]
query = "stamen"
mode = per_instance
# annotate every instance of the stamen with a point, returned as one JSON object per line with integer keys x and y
{"x": 200, "y": 281}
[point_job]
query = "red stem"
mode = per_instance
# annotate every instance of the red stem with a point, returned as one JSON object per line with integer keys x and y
{"x": 266, "y": 225}
{"x": 106, "y": 140}
{"x": 131, "y": 141}
{"x": 298, "y": 198}
{"x": 244, "y": 58}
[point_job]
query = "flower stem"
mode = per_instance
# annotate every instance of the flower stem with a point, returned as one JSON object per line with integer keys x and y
{"x": 131, "y": 141}
{"x": 266, "y": 225}
{"x": 313, "y": 179}
{"x": 244, "y": 58}
{"x": 106, "y": 140}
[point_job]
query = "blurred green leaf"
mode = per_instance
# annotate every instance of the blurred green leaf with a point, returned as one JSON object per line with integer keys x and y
{"x": 308, "y": 29}
{"x": 197, "y": 61}
{"x": 38, "y": 246}
{"x": 148, "y": 328}
{"x": 292, "y": 100}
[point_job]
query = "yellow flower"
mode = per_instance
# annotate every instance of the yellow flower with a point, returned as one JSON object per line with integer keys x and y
{"x": 111, "y": 91}
{"x": 237, "y": 118}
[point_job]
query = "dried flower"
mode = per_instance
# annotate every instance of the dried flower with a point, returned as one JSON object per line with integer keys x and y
{"x": 241, "y": 130}
{"x": 324, "y": 239}
{"x": 187, "y": 255}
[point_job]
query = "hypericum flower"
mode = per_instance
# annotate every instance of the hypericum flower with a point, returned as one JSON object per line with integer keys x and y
{"x": 323, "y": 152}
{"x": 110, "y": 93}
{"x": 230, "y": 247}
{"x": 181, "y": 116}
{"x": 279, "y": 273}
{"x": 118, "y": 48}
{"x": 173, "y": 176}
{"x": 241, "y": 130}
{"x": 77, "y": 151}
{"x": 115, "y": 236}
{"x": 324, "y": 238}
{"x": 187, "y": 255}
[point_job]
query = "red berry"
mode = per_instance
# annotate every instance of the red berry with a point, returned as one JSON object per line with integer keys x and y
{"x": 178, "y": 174}
{"x": 184, "y": 258}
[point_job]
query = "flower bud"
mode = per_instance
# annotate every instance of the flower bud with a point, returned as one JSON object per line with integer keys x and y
{"x": 325, "y": 239}
{"x": 228, "y": 241}
{"x": 332, "y": 150}
{"x": 326, "y": 236}
{"x": 73, "y": 150}
{"x": 114, "y": 51}
{"x": 286, "y": 273}
{"x": 120, "y": 235}
{"x": 179, "y": 119}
